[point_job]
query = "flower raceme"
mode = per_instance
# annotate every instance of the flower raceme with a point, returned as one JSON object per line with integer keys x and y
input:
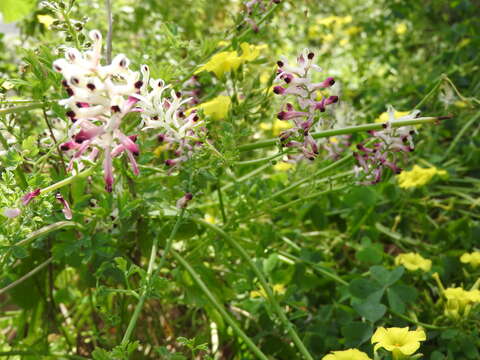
{"x": 399, "y": 341}
{"x": 296, "y": 81}
{"x": 413, "y": 262}
{"x": 99, "y": 98}
{"x": 383, "y": 149}
{"x": 163, "y": 109}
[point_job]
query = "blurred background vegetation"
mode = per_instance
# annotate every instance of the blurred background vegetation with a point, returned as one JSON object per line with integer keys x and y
{"x": 413, "y": 55}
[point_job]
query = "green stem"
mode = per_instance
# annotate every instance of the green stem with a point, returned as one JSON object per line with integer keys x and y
{"x": 149, "y": 277}
{"x": 344, "y": 131}
{"x": 316, "y": 267}
{"x": 220, "y": 200}
{"x": 316, "y": 174}
{"x": 71, "y": 30}
{"x": 263, "y": 281}
{"x": 47, "y": 230}
{"x": 26, "y": 276}
{"x": 460, "y": 134}
{"x": 220, "y": 308}
{"x": 18, "y": 109}
{"x": 68, "y": 180}
{"x": 108, "y": 7}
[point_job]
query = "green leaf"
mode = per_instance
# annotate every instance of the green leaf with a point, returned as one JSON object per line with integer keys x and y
{"x": 370, "y": 254}
{"x": 19, "y": 252}
{"x": 29, "y": 146}
{"x": 363, "y": 288}
{"x": 395, "y": 301}
{"x": 356, "y": 333}
{"x": 14, "y": 10}
{"x": 385, "y": 277}
{"x": 371, "y": 311}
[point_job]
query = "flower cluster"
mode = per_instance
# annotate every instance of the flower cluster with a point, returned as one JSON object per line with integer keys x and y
{"x": 337, "y": 145}
{"x": 418, "y": 176}
{"x": 99, "y": 98}
{"x": 297, "y": 82}
{"x": 401, "y": 342}
{"x": 471, "y": 258}
{"x": 226, "y": 61}
{"x": 163, "y": 109}
{"x": 458, "y": 301}
{"x": 413, "y": 262}
{"x": 382, "y": 151}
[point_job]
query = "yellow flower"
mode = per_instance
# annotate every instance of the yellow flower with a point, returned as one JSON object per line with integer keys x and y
{"x": 353, "y": 30}
{"x": 217, "y": 108}
{"x": 397, "y": 114}
{"x": 472, "y": 258}
{"x": 350, "y": 354}
{"x": 160, "y": 149}
{"x": 210, "y": 218}
{"x": 282, "y": 166}
{"x": 277, "y": 289}
{"x": 413, "y": 262}
{"x": 45, "y": 20}
{"x": 401, "y": 28}
{"x": 251, "y": 52}
{"x": 418, "y": 176}
{"x": 221, "y": 63}
{"x": 399, "y": 341}
{"x": 276, "y": 126}
{"x": 226, "y": 61}
{"x": 460, "y": 301}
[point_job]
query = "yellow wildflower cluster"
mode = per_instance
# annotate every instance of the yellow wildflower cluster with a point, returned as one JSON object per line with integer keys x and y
{"x": 472, "y": 258}
{"x": 413, "y": 262}
{"x": 276, "y": 126}
{"x": 330, "y": 28}
{"x": 283, "y": 166}
{"x": 400, "y": 342}
{"x": 418, "y": 176}
{"x": 217, "y": 108}
{"x": 350, "y": 354}
{"x": 226, "y": 61}
{"x": 277, "y": 289}
{"x": 460, "y": 301}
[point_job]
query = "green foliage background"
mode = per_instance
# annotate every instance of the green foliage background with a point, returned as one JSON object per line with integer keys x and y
{"x": 333, "y": 253}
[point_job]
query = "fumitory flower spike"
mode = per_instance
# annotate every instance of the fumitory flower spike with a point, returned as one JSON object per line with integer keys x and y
{"x": 99, "y": 98}
{"x": 296, "y": 81}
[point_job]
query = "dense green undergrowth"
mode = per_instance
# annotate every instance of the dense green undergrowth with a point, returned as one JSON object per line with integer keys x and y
{"x": 242, "y": 246}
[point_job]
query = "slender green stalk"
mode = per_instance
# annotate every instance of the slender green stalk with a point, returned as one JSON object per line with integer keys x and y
{"x": 220, "y": 200}
{"x": 316, "y": 174}
{"x": 310, "y": 196}
{"x": 40, "y": 354}
{"x": 71, "y": 30}
{"x": 68, "y": 181}
{"x": 263, "y": 281}
{"x": 259, "y": 161}
{"x": 47, "y": 230}
{"x": 22, "y": 108}
{"x": 220, "y": 308}
{"x": 108, "y": 7}
{"x": 344, "y": 131}
{"x": 316, "y": 267}
{"x": 149, "y": 276}
{"x": 460, "y": 134}
{"x": 26, "y": 276}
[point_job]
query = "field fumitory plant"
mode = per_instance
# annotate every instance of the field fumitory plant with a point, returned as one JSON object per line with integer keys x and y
{"x": 239, "y": 180}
